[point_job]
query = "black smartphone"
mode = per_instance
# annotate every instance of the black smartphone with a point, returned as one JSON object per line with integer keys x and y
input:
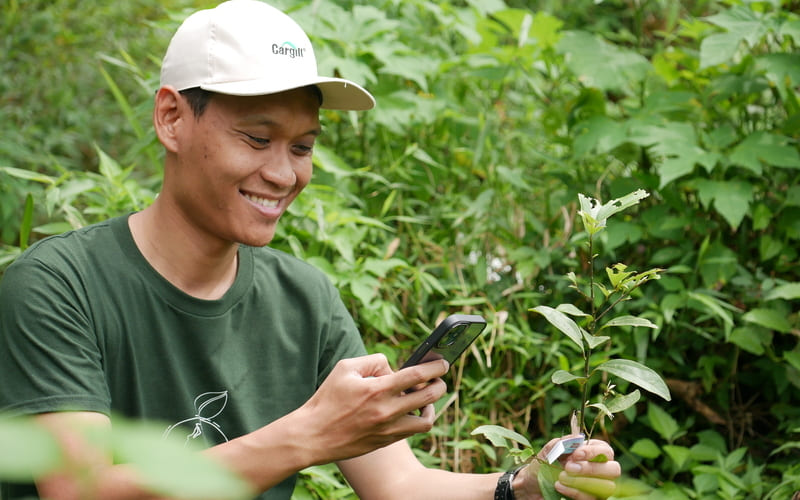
{"x": 449, "y": 339}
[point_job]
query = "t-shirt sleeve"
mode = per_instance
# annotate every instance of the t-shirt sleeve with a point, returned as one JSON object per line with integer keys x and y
{"x": 343, "y": 340}
{"x": 49, "y": 351}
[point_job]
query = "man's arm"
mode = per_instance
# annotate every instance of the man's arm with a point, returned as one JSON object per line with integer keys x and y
{"x": 394, "y": 473}
{"x": 360, "y": 407}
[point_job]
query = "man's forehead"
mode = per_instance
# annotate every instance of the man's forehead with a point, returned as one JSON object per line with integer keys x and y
{"x": 268, "y": 121}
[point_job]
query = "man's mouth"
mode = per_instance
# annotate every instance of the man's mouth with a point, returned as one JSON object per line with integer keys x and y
{"x": 264, "y": 202}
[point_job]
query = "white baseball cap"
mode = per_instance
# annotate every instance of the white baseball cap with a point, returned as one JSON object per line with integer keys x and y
{"x": 246, "y": 48}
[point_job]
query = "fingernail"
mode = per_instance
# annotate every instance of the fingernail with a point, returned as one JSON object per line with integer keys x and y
{"x": 572, "y": 467}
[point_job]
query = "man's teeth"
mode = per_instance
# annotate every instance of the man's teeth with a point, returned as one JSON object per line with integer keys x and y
{"x": 262, "y": 201}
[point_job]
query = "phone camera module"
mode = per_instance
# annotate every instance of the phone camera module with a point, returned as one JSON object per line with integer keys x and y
{"x": 452, "y": 336}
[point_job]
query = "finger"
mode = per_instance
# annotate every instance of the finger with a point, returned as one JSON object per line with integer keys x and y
{"x": 595, "y": 450}
{"x": 372, "y": 365}
{"x": 583, "y": 487}
{"x": 424, "y": 396}
{"x": 413, "y": 423}
{"x": 427, "y": 413}
{"x": 603, "y": 470}
{"x": 413, "y": 376}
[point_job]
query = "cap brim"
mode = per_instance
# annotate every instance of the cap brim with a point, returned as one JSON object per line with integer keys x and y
{"x": 337, "y": 93}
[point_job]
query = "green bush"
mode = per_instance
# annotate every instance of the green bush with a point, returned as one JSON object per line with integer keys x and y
{"x": 458, "y": 193}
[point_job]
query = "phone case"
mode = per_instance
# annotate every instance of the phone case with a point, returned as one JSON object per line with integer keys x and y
{"x": 449, "y": 339}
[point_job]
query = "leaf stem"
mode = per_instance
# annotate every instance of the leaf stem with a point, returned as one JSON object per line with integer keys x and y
{"x": 587, "y": 352}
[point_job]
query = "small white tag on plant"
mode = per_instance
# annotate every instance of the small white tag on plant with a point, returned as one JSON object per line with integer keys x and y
{"x": 565, "y": 447}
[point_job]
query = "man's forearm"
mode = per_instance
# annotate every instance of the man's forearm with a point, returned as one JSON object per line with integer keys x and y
{"x": 262, "y": 458}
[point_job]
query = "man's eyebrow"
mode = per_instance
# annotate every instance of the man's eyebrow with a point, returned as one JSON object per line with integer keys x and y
{"x": 262, "y": 120}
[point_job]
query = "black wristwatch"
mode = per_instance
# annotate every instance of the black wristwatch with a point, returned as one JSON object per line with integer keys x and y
{"x": 504, "y": 490}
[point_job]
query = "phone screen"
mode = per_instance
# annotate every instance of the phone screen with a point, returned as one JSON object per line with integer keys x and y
{"x": 449, "y": 340}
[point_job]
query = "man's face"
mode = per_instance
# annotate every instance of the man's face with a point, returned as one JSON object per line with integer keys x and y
{"x": 242, "y": 162}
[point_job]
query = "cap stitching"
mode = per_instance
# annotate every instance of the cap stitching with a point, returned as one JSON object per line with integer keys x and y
{"x": 212, "y": 39}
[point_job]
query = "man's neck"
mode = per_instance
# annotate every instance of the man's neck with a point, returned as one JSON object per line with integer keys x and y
{"x": 193, "y": 261}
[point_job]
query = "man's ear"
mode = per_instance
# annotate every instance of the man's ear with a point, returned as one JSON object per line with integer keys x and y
{"x": 168, "y": 113}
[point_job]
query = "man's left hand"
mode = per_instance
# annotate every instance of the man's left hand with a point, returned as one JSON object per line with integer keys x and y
{"x": 590, "y": 472}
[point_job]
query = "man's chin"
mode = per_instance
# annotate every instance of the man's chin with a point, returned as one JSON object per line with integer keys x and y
{"x": 258, "y": 240}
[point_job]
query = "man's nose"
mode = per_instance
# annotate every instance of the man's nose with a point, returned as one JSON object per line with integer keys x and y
{"x": 280, "y": 172}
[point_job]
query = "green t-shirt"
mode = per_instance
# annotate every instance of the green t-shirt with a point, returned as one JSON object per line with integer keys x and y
{"x": 87, "y": 324}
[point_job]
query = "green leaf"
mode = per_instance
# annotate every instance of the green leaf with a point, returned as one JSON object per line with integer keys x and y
{"x": 381, "y": 267}
{"x": 326, "y": 159}
{"x": 791, "y": 28}
{"x": 741, "y": 21}
{"x": 679, "y": 454}
{"x": 603, "y": 409}
{"x": 764, "y": 147}
{"x": 594, "y": 340}
{"x": 713, "y": 306}
{"x": 414, "y": 67}
{"x": 25, "y": 226}
{"x": 751, "y": 339}
{"x": 630, "y": 321}
{"x": 546, "y": 29}
{"x": 662, "y": 422}
{"x": 793, "y": 357}
{"x": 547, "y": 477}
{"x": 624, "y": 401}
{"x": 563, "y": 376}
{"x": 788, "y": 291}
{"x": 769, "y": 247}
{"x": 730, "y": 198}
{"x": 646, "y": 448}
{"x": 769, "y": 318}
{"x": 733, "y": 200}
{"x": 600, "y": 64}
{"x": 107, "y": 166}
{"x": 571, "y": 310}
{"x": 616, "y": 274}
{"x": 673, "y": 168}
{"x": 499, "y": 436}
{"x": 122, "y": 102}
{"x": 791, "y": 445}
{"x": 365, "y": 288}
{"x": 718, "y": 48}
{"x": 28, "y": 175}
{"x": 601, "y": 212}
{"x": 598, "y": 134}
{"x": 29, "y": 451}
{"x": 168, "y": 466}
{"x": 53, "y": 228}
{"x": 563, "y": 323}
{"x": 637, "y": 374}
{"x": 779, "y": 68}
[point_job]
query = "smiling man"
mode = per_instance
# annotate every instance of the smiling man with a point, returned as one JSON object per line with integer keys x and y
{"x": 181, "y": 313}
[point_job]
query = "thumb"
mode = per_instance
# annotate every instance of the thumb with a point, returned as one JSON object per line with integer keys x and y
{"x": 372, "y": 365}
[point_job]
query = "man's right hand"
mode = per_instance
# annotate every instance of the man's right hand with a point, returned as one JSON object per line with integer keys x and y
{"x": 363, "y": 406}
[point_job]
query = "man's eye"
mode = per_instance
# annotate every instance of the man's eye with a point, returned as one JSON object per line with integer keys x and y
{"x": 258, "y": 140}
{"x": 302, "y": 149}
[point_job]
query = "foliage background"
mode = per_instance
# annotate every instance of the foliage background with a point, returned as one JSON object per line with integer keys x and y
{"x": 458, "y": 193}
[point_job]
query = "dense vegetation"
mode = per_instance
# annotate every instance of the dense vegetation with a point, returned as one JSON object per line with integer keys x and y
{"x": 459, "y": 192}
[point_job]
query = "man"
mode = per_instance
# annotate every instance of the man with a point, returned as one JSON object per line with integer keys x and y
{"x": 181, "y": 313}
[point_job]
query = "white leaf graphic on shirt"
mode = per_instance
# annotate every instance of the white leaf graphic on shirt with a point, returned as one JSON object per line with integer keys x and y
{"x": 204, "y": 405}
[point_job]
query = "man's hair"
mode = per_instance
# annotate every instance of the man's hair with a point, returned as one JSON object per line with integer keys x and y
{"x": 198, "y": 98}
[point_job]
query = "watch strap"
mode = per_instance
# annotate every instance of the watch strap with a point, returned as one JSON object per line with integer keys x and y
{"x": 504, "y": 490}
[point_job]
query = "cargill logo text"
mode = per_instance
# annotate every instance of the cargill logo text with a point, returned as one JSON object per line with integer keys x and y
{"x": 287, "y": 49}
